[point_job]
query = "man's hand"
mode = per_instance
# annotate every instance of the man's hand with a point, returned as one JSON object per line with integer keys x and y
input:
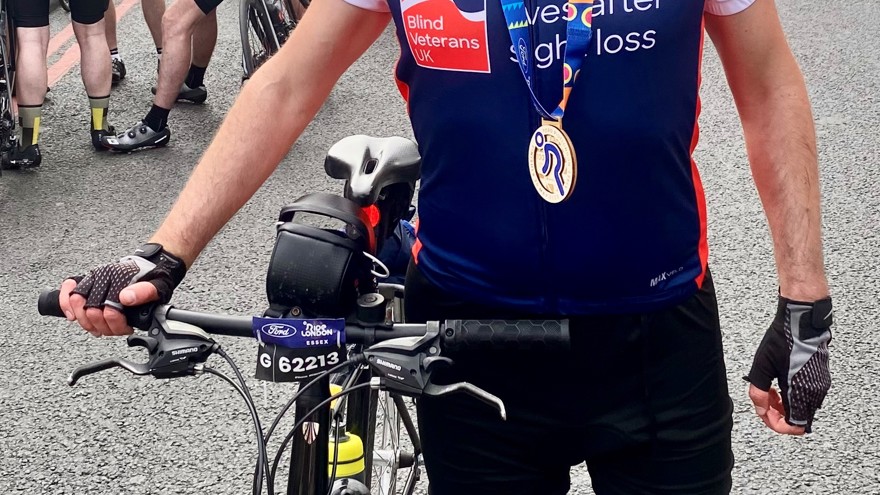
{"x": 794, "y": 352}
{"x": 96, "y": 300}
{"x": 769, "y": 407}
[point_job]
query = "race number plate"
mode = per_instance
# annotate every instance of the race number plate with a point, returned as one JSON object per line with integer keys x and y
{"x": 294, "y": 350}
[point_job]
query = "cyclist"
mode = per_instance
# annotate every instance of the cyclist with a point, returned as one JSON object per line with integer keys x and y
{"x": 153, "y": 11}
{"x": 189, "y": 32}
{"x": 642, "y": 397}
{"x": 31, "y": 18}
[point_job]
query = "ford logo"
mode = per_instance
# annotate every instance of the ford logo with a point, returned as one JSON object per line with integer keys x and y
{"x": 278, "y": 330}
{"x": 523, "y": 57}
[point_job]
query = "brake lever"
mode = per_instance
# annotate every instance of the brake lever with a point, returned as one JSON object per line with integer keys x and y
{"x": 174, "y": 348}
{"x": 106, "y": 364}
{"x": 468, "y": 388}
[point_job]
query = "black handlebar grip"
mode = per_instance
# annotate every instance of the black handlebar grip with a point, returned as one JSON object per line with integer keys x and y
{"x": 48, "y": 304}
{"x": 506, "y": 335}
{"x": 136, "y": 316}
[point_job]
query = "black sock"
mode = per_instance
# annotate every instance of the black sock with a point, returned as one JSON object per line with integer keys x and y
{"x": 196, "y": 76}
{"x": 157, "y": 118}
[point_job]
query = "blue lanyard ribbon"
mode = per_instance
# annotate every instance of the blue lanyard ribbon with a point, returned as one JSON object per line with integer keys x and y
{"x": 578, "y": 15}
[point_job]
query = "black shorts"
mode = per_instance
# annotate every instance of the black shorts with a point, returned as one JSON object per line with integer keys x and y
{"x": 208, "y": 5}
{"x": 35, "y": 13}
{"x": 642, "y": 399}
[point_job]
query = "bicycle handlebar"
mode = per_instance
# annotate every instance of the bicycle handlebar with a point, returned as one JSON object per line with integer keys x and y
{"x": 455, "y": 334}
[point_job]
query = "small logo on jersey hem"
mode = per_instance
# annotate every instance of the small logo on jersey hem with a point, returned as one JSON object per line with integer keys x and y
{"x": 663, "y": 277}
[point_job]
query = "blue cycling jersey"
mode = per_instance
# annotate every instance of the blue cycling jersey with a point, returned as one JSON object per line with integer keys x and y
{"x": 632, "y": 237}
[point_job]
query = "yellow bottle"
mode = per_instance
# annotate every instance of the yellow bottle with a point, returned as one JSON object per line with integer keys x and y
{"x": 349, "y": 456}
{"x": 349, "y": 453}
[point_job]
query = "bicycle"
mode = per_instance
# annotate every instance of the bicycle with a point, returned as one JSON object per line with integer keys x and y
{"x": 265, "y": 26}
{"x": 8, "y": 116}
{"x": 402, "y": 357}
{"x": 375, "y": 357}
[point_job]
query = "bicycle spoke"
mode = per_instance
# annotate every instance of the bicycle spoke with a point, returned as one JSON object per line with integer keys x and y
{"x": 387, "y": 450}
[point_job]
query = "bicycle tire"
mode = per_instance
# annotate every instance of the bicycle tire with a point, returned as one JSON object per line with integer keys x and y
{"x": 7, "y": 86}
{"x": 254, "y": 22}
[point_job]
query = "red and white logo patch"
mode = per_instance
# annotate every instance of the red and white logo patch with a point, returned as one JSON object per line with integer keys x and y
{"x": 447, "y": 34}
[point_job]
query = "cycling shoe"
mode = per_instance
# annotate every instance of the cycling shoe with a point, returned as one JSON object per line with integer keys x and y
{"x": 190, "y": 95}
{"x": 27, "y": 157}
{"x": 138, "y": 136}
{"x": 98, "y": 136}
{"x": 117, "y": 70}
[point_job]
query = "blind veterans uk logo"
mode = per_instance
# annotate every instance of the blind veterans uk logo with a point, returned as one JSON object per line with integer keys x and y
{"x": 446, "y": 34}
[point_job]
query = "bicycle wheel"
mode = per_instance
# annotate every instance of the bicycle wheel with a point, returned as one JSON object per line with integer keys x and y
{"x": 7, "y": 83}
{"x": 258, "y": 38}
{"x": 387, "y": 452}
{"x": 396, "y": 458}
{"x": 285, "y": 15}
{"x": 386, "y": 447}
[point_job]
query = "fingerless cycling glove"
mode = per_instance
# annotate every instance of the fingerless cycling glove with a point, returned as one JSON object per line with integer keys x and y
{"x": 794, "y": 351}
{"x": 149, "y": 263}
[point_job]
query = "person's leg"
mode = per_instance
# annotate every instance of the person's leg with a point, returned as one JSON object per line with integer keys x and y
{"x": 117, "y": 65}
{"x": 153, "y": 12}
{"x": 299, "y": 10}
{"x": 32, "y": 33}
{"x": 31, "y": 78}
{"x": 685, "y": 446}
{"x": 178, "y": 25}
{"x": 110, "y": 25}
{"x": 204, "y": 41}
{"x": 468, "y": 448}
{"x": 90, "y": 31}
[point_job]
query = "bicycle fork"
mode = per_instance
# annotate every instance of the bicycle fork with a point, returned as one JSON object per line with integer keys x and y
{"x": 308, "y": 466}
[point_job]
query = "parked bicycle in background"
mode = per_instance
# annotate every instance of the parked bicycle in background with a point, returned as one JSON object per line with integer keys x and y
{"x": 265, "y": 26}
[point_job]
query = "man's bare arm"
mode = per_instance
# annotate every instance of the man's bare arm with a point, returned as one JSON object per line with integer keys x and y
{"x": 772, "y": 101}
{"x": 777, "y": 120}
{"x": 273, "y": 109}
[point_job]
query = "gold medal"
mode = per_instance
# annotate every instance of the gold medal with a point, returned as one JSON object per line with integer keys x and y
{"x": 552, "y": 162}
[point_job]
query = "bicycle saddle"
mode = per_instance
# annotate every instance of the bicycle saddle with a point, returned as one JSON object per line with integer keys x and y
{"x": 368, "y": 164}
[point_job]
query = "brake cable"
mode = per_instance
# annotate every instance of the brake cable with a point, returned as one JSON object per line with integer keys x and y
{"x": 263, "y": 455}
{"x": 271, "y": 472}
{"x": 306, "y": 416}
{"x": 350, "y": 362}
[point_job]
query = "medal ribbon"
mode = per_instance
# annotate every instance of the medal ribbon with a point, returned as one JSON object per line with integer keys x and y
{"x": 578, "y": 15}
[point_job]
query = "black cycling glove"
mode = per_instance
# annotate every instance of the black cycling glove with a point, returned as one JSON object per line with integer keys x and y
{"x": 149, "y": 263}
{"x": 794, "y": 351}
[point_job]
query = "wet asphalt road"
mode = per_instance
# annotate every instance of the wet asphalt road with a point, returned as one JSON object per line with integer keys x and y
{"x": 115, "y": 434}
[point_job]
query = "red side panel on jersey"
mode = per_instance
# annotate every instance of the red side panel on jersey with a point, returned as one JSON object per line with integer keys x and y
{"x": 698, "y": 184}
